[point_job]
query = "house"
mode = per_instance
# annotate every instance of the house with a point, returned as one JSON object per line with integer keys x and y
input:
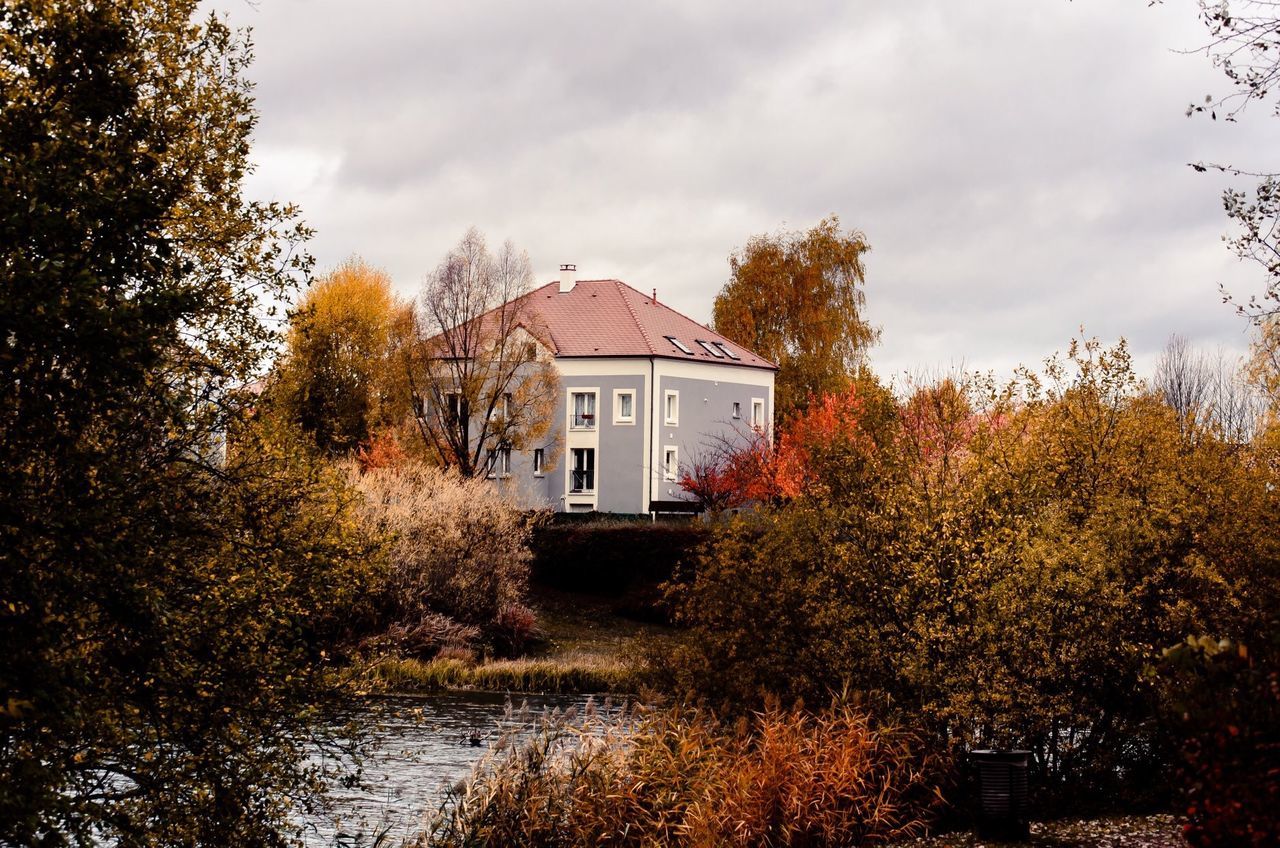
{"x": 645, "y": 390}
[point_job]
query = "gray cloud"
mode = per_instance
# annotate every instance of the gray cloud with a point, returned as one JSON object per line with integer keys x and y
{"x": 1019, "y": 169}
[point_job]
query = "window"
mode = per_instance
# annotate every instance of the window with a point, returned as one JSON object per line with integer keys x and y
{"x": 624, "y": 406}
{"x": 757, "y": 412}
{"x": 508, "y": 406}
{"x": 737, "y": 409}
{"x": 455, "y": 406}
{"x": 584, "y": 410}
{"x": 539, "y": 461}
{"x": 582, "y": 476}
{"x": 711, "y": 349}
{"x": 728, "y": 351}
{"x": 679, "y": 344}
{"x": 670, "y": 462}
{"x": 671, "y": 407}
{"x": 498, "y": 463}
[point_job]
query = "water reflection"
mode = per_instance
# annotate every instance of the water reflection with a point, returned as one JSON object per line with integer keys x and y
{"x": 423, "y": 745}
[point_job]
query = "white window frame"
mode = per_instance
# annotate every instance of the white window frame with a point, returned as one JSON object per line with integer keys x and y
{"x": 498, "y": 463}
{"x": 452, "y": 407}
{"x": 670, "y": 410}
{"x": 757, "y": 412}
{"x": 594, "y": 470}
{"x": 539, "y": 462}
{"x": 595, "y": 409}
{"x": 618, "y": 395}
{"x": 670, "y": 462}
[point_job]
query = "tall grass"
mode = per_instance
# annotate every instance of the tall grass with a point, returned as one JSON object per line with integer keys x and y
{"x": 681, "y": 777}
{"x": 565, "y": 675}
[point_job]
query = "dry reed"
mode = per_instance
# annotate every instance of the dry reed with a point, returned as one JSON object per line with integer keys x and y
{"x": 680, "y": 777}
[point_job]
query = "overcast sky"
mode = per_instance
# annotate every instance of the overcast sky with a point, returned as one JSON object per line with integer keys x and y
{"x": 1018, "y": 166}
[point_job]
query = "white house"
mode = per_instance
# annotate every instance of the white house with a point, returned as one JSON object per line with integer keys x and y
{"x": 644, "y": 390}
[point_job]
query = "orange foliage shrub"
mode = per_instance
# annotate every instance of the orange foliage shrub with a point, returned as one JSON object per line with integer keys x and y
{"x": 683, "y": 778}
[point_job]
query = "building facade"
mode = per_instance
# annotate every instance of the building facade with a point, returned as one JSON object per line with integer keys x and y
{"x": 646, "y": 391}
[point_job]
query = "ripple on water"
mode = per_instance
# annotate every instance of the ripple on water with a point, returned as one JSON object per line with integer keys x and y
{"x": 422, "y": 747}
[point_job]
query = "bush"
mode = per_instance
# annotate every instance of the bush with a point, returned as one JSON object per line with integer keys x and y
{"x": 681, "y": 777}
{"x": 1006, "y": 574}
{"x": 458, "y": 548}
{"x": 430, "y": 636}
{"x": 612, "y": 558}
{"x": 1225, "y": 701}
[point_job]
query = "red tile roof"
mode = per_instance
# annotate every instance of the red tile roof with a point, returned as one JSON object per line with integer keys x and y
{"x": 610, "y": 318}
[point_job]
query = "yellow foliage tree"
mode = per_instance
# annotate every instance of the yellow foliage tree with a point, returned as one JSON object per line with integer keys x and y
{"x": 336, "y": 381}
{"x": 797, "y": 299}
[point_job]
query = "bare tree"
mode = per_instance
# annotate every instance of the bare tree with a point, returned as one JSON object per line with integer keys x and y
{"x": 1209, "y": 392}
{"x": 1244, "y": 43}
{"x": 1182, "y": 379}
{"x": 480, "y": 374}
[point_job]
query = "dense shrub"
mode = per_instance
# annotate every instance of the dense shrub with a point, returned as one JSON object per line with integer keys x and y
{"x": 426, "y": 637}
{"x": 612, "y": 558}
{"x": 457, "y": 549}
{"x": 1224, "y": 700}
{"x": 683, "y": 778}
{"x": 1005, "y": 565}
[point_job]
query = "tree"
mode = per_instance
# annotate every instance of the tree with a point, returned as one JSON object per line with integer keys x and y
{"x": 1244, "y": 43}
{"x": 1212, "y": 393}
{"x": 1004, "y": 562}
{"x": 797, "y": 298}
{"x": 337, "y": 380}
{"x": 479, "y": 371}
{"x": 165, "y": 614}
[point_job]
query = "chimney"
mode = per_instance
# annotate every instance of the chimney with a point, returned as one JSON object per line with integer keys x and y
{"x": 568, "y": 278}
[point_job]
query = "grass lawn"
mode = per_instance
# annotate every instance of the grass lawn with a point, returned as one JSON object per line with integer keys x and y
{"x": 586, "y": 648}
{"x": 579, "y": 627}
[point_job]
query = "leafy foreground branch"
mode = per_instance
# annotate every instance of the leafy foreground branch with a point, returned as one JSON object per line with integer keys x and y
{"x": 683, "y": 777}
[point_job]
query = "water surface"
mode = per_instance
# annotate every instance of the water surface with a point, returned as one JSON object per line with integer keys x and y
{"x": 422, "y": 746}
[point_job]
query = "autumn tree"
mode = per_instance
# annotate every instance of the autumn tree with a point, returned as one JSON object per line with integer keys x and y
{"x": 1244, "y": 43}
{"x": 479, "y": 371}
{"x": 1005, "y": 562}
{"x": 164, "y": 611}
{"x": 338, "y": 381}
{"x": 797, "y": 298}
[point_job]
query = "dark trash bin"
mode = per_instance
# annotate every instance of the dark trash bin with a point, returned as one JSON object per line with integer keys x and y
{"x": 1002, "y": 786}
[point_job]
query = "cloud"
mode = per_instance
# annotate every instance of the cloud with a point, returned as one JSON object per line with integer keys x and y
{"x": 1019, "y": 170}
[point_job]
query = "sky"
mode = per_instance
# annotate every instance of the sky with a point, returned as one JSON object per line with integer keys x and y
{"x": 1019, "y": 167}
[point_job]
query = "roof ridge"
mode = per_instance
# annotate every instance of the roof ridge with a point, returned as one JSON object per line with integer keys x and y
{"x": 634, "y": 317}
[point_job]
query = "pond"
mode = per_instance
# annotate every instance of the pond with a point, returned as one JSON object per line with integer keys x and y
{"x": 423, "y": 745}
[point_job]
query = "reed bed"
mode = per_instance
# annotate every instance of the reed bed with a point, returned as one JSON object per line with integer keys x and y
{"x": 681, "y": 777}
{"x": 562, "y": 675}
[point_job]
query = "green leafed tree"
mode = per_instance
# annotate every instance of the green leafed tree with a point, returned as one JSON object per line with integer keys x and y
{"x": 797, "y": 298}
{"x": 164, "y": 601}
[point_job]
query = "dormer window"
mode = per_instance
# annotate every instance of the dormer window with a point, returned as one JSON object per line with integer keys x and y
{"x": 728, "y": 352}
{"x": 679, "y": 344}
{"x": 709, "y": 348}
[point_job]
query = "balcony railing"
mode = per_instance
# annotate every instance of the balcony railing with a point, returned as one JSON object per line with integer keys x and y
{"x": 584, "y": 420}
